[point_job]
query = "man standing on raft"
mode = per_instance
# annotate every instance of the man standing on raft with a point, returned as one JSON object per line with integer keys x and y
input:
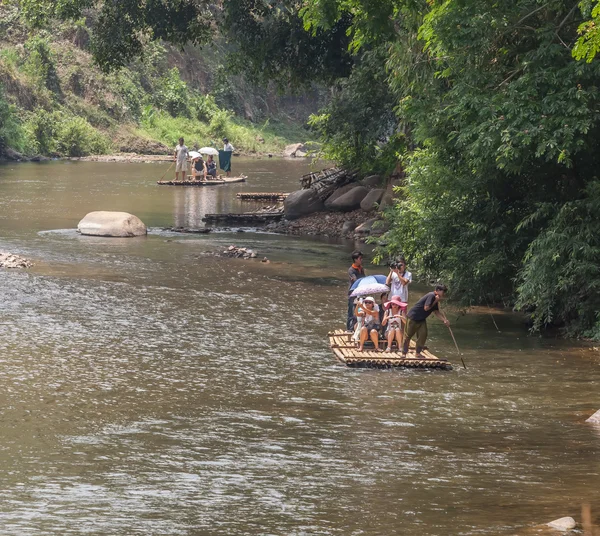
{"x": 356, "y": 271}
{"x": 181, "y": 157}
{"x": 416, "y": 323}
{"x": 225, "y": 156}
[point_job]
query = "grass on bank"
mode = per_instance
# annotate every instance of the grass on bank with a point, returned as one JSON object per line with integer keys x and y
{"x": 249, "y": 138}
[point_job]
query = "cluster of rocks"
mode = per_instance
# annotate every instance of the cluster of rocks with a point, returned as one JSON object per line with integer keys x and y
{"x": 241, "y": 253}
{"x": 8, "y": 260}
{"x": 352, "y": 210}
{"x": 333, "y": 224}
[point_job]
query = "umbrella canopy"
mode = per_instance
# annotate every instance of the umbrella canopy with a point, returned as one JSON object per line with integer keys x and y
{"x": 369, "y": 280}
{"x": 194, "y": 155}
{"x": 209, "y": 150}
{"x": 373, "y": 288}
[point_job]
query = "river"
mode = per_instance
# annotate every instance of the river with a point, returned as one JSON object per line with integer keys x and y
{"x": 150, "y": 387}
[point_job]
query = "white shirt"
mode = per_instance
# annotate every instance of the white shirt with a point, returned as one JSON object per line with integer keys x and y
{"x": 370, "y": 319}
{"x": 228, "y": 147}
{"x": 397, "y": 288}
{"x": 182, "y": 153}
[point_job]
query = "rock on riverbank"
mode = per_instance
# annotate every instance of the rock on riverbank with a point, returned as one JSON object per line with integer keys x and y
{"x": 8, "y": 260}
{"x": 334, "y": 224}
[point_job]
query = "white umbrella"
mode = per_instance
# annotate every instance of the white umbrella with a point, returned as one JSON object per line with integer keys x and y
{"x": 194, "y": 154}
{"x": 209, "y": 150}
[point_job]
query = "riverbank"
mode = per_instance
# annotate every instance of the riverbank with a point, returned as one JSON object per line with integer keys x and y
{"x": 329, "y": 224}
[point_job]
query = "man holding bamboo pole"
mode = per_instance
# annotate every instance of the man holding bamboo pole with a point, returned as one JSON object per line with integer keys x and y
{"x": 416, "y": 323}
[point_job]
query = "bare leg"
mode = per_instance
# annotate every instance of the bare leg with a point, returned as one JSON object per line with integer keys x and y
{"x": 363, "y": 338}
{"x": 399, "y": 333}
{"x": 375, "y": 339}
{"x": 390, "y": 339}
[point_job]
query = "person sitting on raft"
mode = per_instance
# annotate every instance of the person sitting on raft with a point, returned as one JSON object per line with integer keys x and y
{"x": 416, "y": 323}
{"x": 198, "y": 169}
{"x": 211, "y": 166}
{"x": 394, "y": 316}
{"x": 370, "y": 328}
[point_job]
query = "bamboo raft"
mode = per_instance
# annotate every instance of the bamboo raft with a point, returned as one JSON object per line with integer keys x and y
{"x": 247, "y": 218}
{"x": 208, "y": 182}
{"x": 345, "y": 351}
{"x": 261, "y": 196}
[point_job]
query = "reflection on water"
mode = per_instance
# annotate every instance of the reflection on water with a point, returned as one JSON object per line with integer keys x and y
{"x": 149, "y": 387}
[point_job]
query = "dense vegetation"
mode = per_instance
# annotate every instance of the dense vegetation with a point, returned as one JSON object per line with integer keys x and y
{"x": 496, "y": 126}
{"x": 492, "y": 109}
{"x": 54, "y": 100}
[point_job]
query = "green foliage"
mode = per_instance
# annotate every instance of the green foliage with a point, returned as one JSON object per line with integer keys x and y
{"x": 560, "y": 279}
{"x": 359, "y": 119}
{"x": 42, "y": 127}
{"x": 271, "y": 44}
{"x": 588, "y": 43}
{"x": 40, "y": 63}
{"x": 203, "y": 107}
{"x": 504, "y": 124}
{"x": 172, "y": 95}
{"x": 56, "y": 133}
{"x": 122, "y": 28}
{"x": 219, "y": 124}
{"x": 11, "y": 132}
{"x": 76, "y": 137}
{"x": 167, "y": 129}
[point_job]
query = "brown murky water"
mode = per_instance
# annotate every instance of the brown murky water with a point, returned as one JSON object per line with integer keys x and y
{"x": 148, "y": 387}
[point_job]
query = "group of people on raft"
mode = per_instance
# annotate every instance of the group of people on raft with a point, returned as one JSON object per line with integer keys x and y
{"x": 390, "y": 319}
{"x": 201, "y": 169}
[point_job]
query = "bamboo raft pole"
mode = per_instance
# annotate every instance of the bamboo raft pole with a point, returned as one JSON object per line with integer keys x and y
{"x": 345, "y": 351}
{"x": 261, "y": 196}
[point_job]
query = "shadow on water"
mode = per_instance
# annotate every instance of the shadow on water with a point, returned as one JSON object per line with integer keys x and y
{"x": 151, "y": 387}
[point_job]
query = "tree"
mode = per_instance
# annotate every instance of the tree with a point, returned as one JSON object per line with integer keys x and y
{"x": 120, "y": 28}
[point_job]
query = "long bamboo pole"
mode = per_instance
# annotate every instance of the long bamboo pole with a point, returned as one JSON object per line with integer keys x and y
{"x": 167, "y": 171}
{"x": 455, "y": 344}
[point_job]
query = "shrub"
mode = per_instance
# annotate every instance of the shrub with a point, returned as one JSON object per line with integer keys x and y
{"x": 76, "y": 137}
{"x": 11, "y": 131}
{"x": 172, "y": 94}
{"x": 219, "y": 124}
{"x": 40, "y": 64}
{"x": 42, "y": 127}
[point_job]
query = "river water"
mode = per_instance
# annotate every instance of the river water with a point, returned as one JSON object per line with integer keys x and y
{"x": 150, "y": 387}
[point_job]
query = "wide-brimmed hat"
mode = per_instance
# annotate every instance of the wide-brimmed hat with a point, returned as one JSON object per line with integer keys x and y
{"x": 369, "y": 298}
{"x": 396, "y": 301}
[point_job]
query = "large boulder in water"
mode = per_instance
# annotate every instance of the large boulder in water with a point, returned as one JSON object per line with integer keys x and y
{"x": 106, "y": 223}
{"x": 302, "y": 202}
{"x": 350, "y": 200}
{"x": 564, "y": 524}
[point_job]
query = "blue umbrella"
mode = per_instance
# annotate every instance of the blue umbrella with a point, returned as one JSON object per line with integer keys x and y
{"x": 369, "y": 280}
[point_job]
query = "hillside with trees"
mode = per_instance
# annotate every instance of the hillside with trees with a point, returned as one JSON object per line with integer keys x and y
{"x": 57, "y": 100}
